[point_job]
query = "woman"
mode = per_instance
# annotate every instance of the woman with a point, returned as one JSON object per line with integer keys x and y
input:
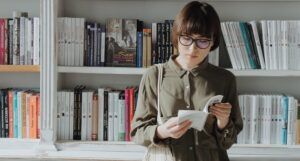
{"x": 188, "y": 82}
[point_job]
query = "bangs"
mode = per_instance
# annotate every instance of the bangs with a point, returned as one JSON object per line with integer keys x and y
{"x": 196, "y": 23}
{"x": 196, "y": 26}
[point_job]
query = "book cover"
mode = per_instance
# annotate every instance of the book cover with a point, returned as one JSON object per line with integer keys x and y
{"x": 121, "y": 37}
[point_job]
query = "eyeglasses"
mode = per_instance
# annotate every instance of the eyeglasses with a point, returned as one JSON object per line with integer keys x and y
{"x": 188, "y": 40}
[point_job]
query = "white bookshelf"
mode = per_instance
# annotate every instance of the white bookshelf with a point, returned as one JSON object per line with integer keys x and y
{"x": 53, "y": 78}
{"x": 153, "y": 11}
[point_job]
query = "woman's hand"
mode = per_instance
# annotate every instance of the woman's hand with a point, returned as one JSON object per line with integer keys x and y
{"x": 171, "y": 129}
{"x": 222, "y": 112}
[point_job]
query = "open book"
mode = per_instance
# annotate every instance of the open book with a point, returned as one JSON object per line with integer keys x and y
{"x": 198, "y": 118}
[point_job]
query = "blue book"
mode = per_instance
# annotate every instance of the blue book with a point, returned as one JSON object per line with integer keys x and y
{"x": 139, "y": 49}
{"x": 15, "y": 113}
{"x": 285, "y": 104}
{"x": 247, "y": 45}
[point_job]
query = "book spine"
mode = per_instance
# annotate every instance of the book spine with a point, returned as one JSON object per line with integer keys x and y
{"x": 6, "y": 117}
{"x": 2, "y": 43}
{"x": 10, "y": 114}
{"x": 16, "y": 41}
{"x": 95, "y": 118}
{"x": 139, "y": 49}
{"x": 1, "y": 115}
{"x": 36, "y": 42}
{"x": 105, "y": 118}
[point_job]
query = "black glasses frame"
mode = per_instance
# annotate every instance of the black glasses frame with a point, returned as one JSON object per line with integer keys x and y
{"x": 194, "y": 40}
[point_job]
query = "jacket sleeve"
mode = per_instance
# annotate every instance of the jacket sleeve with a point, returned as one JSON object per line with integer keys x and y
{"x": 144, "y": 124}
{"x": 228, "y": 136}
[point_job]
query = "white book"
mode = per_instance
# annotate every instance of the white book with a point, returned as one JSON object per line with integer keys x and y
{"x": 71, "y": 100}
{"x": 240, "y": 46}
{"x": 70, "y": 53}
{"x": 263, "y": 25}
{"x": 63, "y": 120}
{"x": 110, "y": 116}
{"x": 36, "y": 41}
{"x": 291, "y": 121}
{"x": 25, "y": 39}
{"x": 67, "y": 115}
{"x": 236, "y": 63}
{"x": 273, "y": 119}
{"x": 247, "y": 118}
{"x": 273, "y": 45}
{"x": 59, "y": 116}
{"x": 260, "y": 118}
{"x": 116, "y": 115}
{"x": 284, "y": 58}
{"x": 89, "y": 115}
{"x": 295, "y": 121}
{"x": 253, "y": 119}
{"x": 279, "y": 120}
{"x": 60, "y": 29}
{"x": 229, "y": 44}
{"x": 29, "y": 42}
{"x": 81, "y": 41}
{"x": 242, "y": 133}
{"x": 73, "y": 41}
{"x": 65, "y": 41}
{"x": 268, "y": 119}
{"x": 279, "y": 45}
{"x": 100, "y": 113}
{"x": 77, "y": 41}
{"x": 22, "y": 41}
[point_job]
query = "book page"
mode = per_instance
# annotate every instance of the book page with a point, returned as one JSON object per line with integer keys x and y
{"x": 198, "y": 118}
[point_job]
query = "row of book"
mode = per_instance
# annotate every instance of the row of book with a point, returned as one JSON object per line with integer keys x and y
{"x": 266, "y": 44}
{"x": 120, "y": 42}
{"x": 269, "y": 119}
{"x": 19, "y": 113}
{"x": 19, "y": 40}
{"x": 103, "y": 115}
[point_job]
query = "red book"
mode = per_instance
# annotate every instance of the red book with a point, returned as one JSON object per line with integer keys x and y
{"x": 2, "y": 40}
{"x": 10, "y": 114}
{"x": 127, "y": 121}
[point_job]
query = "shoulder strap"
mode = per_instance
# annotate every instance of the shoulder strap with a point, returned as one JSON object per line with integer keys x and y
{"x": 159, "y": 80}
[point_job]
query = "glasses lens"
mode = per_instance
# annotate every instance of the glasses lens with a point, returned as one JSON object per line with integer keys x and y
{"x": 202, "y": 44}
{"x": 185, "y": 40}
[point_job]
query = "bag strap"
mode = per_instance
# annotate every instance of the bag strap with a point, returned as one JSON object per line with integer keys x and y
{"x": 159, "y": 81}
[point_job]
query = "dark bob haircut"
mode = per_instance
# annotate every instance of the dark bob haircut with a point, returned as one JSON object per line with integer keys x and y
{"x": 197, "y": 18}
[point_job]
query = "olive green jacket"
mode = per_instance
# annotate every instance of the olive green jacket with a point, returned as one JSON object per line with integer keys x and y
{"x": 182, "y": 90}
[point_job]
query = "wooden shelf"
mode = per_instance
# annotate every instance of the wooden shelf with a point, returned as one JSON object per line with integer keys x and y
{"x": 140, "y": 71}
{"x": 20, "y": 68}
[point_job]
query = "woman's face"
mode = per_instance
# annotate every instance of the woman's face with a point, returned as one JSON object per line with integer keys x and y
{"x": 193, "y": 49}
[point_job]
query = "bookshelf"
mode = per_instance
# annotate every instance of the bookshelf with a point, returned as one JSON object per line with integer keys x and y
{"x": 52, "y": 78}
{"x": 19, "y": 76}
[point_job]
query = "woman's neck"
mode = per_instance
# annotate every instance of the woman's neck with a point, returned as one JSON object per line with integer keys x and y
{"x": 184, "y": 64}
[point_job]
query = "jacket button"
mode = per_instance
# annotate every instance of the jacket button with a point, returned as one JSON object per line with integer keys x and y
{"x": 191, "y": 148}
